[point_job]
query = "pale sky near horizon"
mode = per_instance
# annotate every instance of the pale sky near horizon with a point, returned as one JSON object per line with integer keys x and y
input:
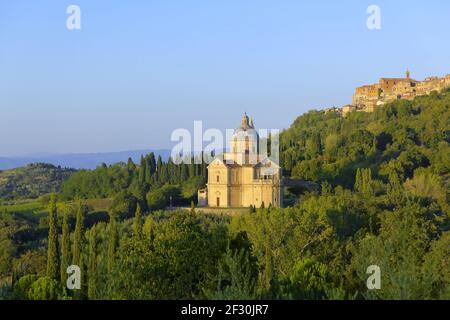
{"x": 137, "y": 70}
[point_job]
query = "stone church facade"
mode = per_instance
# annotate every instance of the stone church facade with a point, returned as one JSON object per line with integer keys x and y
{"x": 242, "y": 177}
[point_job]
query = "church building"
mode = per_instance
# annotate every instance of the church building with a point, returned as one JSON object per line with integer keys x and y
{"x": 242, "y": 177}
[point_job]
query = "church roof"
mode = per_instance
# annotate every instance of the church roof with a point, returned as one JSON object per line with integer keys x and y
{"x": 398, "y": 79}
{"x": 268, "y": 162}
{"x": 228, "y": 163}
{"x": 265, "y": 163}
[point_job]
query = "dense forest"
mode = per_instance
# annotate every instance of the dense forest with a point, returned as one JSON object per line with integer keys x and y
{"x": 383, "y": 201}
{"x": 144, "y": 183}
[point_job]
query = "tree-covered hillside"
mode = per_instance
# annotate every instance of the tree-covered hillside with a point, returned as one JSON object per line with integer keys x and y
{"x": 393, "y": 142}
{"x": 32, "y": 181}
{"x": 383, "y": 202}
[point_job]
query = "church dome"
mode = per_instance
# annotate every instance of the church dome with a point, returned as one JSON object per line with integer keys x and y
{"x": 245, "y": 138}
{"x": 246, "y": 128}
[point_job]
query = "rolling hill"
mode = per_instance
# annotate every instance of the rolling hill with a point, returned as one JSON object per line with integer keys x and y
{"x": 78, "y": 160}
{"x": 32, "y": 181}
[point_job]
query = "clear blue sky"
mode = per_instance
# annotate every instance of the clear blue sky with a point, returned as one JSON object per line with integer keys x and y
{"x": 139, "y": 69}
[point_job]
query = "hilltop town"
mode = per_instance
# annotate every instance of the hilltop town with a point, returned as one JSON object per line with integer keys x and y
{"x": 369, "y": 97}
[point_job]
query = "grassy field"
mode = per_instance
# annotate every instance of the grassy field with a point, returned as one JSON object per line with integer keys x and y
{"x": 25, "y": 206}
{"x": 99, "y": 204}
{"x": 96, "y": 205}
{"x": 37, "y": 207}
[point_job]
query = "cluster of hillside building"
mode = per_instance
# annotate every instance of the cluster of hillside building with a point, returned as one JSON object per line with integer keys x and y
{"x": 367, "y": 98}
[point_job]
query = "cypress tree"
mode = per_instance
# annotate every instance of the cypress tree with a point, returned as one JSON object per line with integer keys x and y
{"x": 203, "y": 166}
{"x": 394, "y": 190}
{"x": 148, "y": 173}
{"x": 65, "y": 247}
{"x": 113, "y": 241}
{"x": 130, "y": 165}
{"x": 374, "y": 145}
{"x": 314, "y": 146}
{"x": 368, "y": 190}
{"x": 358, "y": 182}
{"x": 191, "y": 169}
{"x": 159, "y": 168}
{"x": 52, "y": 250}
{"x": 152, "y": 163}
{"x": 364, "y": 178}
{"x": 184, "y": 174}
{"x": 78, "y": 240}
{"x": 138, "y": 222}
{"x": 192, "y": 212}
{"x": 267, "y": 275}
{"x": 92, "y": 266}
{"x": 269, "y": 145}
{"x": 171, "y": 172}
{"x": 82, "y": 293}
{"x": 165, "y": 177}
{"x": 142, "y": 174}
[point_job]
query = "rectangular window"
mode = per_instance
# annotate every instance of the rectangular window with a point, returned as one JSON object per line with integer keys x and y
{"x": 218, "y": 178}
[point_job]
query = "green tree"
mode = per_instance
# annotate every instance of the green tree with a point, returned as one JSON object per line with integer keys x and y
{"x": 160, "y": 198}
{"x": 124, "y": 204}
{"x": 131, "y": 167}
{"x": 159, "y": 170}
{"x": 309, "y": 280}
{"x": 436, "y": 269}
{"x": 235, "y": 278}
{"x": 79, "y": 238}
{"x": 138, "y": 222}
{"x": 113, "y": 241}
{"x": 92, "y": 266}
{"x": 65, "y": 247}
{"x": 364, "y": 182}
{"x": 53, "y": 267}
{"x": 398, "y": 250}
{"x": 7, "y": 252}
{"x": 314, "y": 146}
{"x": 22, "y": 287}
{"x": 82, "y": 293}
{"x": 358, "y": 181}
{"x": 142, "y": 172}
{"x": 192, "y": 211}
{"x": 44, "y": 288}
{"x": 176, "y": 263}
{"x": 148, "y": 171}
{"x": 152, "y": 163}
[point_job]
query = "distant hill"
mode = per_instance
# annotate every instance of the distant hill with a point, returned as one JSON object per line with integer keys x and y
{"x": 80, "y": 160}
{"x": 32, "y": 180}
